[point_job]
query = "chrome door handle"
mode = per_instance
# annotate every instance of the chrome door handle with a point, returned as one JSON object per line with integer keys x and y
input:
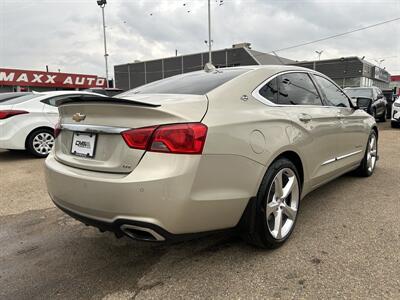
{"x": 305, "y": 118}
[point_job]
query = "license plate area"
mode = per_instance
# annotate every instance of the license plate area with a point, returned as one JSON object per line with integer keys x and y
{"x": 83, "y": 144}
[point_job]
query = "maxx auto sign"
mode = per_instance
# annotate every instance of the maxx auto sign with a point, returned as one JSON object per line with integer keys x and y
{"x": 49, "y": 79}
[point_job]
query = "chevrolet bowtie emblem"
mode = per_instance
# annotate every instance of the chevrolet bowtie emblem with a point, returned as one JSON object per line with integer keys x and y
{"x": 78, "y": 117}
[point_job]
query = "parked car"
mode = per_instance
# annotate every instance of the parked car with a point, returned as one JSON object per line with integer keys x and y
{"x": 205, "y": 151}
{"x": 395, "y": 120}
{"x": 106, "y": 91}
{"x": 11, "y": 95}
{"x": 378, "y": 108}
{"x": 27, "y": 122}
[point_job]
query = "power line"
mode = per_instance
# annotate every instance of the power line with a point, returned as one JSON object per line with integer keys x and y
{"x": 335, "y": 35}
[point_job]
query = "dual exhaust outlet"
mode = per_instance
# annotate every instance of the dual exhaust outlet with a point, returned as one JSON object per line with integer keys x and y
{"x": 141, "y": 233}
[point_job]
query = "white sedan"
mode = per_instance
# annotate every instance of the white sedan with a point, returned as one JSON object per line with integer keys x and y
{"x": 28, "y": 122}
{"x": 396, "y": 113}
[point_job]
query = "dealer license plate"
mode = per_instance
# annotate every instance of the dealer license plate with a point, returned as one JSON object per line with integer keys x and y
{"x": 83, "y": 144}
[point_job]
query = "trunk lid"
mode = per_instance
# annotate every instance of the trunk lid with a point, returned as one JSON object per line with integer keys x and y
{"x": 105, "y": 118}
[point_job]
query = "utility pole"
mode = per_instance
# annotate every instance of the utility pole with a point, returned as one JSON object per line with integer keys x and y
{"x": 209, "y": 33}
{"x": 102, "y": 4}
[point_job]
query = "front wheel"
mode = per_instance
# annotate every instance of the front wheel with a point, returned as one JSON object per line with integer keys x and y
{"x": 276, "y": 206}
{"x": 40, "y": 142}
{"x": 368, "y": 163}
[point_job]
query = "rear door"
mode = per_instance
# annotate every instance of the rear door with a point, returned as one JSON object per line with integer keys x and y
{"x": 352, "y": 134}
{"x": 314, "y": 123}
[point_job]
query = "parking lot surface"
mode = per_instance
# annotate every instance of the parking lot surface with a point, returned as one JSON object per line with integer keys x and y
{"x": 345, "y": 245}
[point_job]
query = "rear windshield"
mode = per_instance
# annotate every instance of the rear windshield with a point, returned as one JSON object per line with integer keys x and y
{"x": 19, "y": 100}
{"x": 354, "y": 93}
{"x": 196, "y": 83}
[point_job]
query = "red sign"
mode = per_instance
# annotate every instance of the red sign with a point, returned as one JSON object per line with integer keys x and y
{"x": 49, "y": 79}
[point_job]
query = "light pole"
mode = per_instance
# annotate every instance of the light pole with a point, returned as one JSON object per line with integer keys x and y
{"x": 209, "y": 33}
{"x": 319, "y": 54}
{"x": 379, "y": 62}
{"x": 102, "y": 4}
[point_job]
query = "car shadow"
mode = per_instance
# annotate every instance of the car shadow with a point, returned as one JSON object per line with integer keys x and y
{"x": 12, "y": 155}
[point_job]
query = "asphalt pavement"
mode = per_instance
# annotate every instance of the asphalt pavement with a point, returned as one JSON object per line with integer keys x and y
{"x": 346, "y": 245}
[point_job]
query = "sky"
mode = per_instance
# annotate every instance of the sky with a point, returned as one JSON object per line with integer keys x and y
{"x": 67, "y": 34}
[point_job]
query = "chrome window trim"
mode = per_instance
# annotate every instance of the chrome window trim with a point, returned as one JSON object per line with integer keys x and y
{"x": 93, "y": 128}
{"x": 256, "y": 92}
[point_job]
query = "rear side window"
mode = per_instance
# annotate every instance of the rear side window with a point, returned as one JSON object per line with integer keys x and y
{"x": 196, "y": 83}
{"x": 270, "y": 91}
{"x": 291, "y": 89}
{"x": 297, "y": 89}
{"x": 334, "y": 95}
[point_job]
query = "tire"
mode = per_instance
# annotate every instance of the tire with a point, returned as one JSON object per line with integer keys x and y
{"x": 366, "y": 169}
{"x": 263, "y": 224}
{"x": 40, "y": 142}
{"x": 383, "y": 117}
{"x": 394, "y": 124}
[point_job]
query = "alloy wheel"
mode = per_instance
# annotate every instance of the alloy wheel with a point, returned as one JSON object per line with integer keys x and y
{"x": 282, "y": 203}
{"x": 372, "y": 153}
{"x": 43, "y": 142}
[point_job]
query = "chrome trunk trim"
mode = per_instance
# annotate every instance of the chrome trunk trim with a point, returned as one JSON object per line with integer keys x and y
{"x": 93, "y": 128}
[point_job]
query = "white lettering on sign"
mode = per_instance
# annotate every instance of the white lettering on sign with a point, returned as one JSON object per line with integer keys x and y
{"x": 100, "y": 81}
{"x": 5, "y": 77}
{"x": 90, "y": 80}
{"x": 50, "y": 78}
{"x": 37, "y": 77}
{"x": 22, "y": 77}
{"x": 81, "y": 81}
{"x": 68, "y": 80}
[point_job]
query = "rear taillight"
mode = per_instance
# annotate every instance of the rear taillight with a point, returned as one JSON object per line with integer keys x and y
{"x": 187, "y": 138}
{"x": 4, "y": 114}
{"x": 138, "y": 138}
{"x": 57, "y": 129}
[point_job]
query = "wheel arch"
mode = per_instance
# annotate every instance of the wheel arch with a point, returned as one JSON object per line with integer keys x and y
{"x": 295, "y": 158}
{"x": 33, "y": 130}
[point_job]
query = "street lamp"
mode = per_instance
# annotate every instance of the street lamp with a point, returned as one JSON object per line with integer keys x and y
{"x": 102, "y": 4}
{"x": 319, "y": 54}
{"x": 379, "y": 62}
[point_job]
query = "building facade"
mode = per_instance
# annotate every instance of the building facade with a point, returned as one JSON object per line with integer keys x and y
{"x": 350, "y": 72}
{"x": 395, "y": 84}
{"x": 14, "y": 80}
{"x": 131, "y": 75}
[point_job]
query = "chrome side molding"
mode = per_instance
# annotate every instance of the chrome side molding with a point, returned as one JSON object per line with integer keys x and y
{"x": 340, "y": 157}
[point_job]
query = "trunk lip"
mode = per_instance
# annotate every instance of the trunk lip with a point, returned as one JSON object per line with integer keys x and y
{"x": 93, "y": 128}
{"x": 90, "y": 99}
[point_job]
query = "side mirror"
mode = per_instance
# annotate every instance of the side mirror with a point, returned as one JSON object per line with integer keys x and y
{"x": 380, "y": 96}
{"x": 364, "y": 104}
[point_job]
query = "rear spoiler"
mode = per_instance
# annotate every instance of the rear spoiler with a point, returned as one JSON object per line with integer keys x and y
{"x": 92, "y": 98}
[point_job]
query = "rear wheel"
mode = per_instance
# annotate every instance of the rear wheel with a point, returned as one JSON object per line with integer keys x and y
{"x": 40, "y": 142}
{"x": 368, "y": 163}
{"x": 276, "y": 206}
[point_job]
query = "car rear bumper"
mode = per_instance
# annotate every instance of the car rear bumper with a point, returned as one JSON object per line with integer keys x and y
{"x": 170, "y": 196}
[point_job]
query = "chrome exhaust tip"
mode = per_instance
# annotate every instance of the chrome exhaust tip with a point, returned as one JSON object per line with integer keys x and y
{"x": 141, "y": 233}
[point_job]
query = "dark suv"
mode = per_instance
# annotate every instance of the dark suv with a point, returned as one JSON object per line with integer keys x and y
{"x": 379, "y": 104}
